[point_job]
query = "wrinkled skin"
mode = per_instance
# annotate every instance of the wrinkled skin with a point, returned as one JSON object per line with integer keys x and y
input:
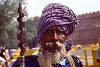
{"x": 52, "y": 46}
{"x": 51, "y": 37}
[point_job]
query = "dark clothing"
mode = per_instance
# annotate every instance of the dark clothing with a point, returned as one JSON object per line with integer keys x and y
{"x": 1, "y": 54}
{"x": 31, "y": 61}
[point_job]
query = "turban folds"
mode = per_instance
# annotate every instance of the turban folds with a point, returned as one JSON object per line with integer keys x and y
{"x": 56, "y": 14}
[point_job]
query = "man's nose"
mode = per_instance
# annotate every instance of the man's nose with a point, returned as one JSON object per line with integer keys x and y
{"x": 55, "y": 36}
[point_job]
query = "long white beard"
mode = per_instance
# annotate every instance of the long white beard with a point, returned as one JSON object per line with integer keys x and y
{"x": 47, "y": 58}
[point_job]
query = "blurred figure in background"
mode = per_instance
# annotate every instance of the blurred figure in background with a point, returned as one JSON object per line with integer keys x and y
{"x": 98, "y": 51}
{"x": 5, "y": 58}
{"x": 2, "y": 58}
{"x": 98, "y": 54}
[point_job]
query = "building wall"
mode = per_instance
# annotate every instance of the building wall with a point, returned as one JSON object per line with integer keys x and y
{"x": 88, "y": 29}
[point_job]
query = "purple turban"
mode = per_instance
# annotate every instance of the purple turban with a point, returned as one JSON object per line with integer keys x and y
{"x": 56, "y": 14}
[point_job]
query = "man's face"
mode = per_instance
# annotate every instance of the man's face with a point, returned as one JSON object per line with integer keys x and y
{"x": 52, "y": 45}
{"x": 53, "y": 38}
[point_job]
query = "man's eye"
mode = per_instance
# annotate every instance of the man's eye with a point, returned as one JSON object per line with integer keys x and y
{"x": 48, "y": 32}
{"x": 61, "y": 32}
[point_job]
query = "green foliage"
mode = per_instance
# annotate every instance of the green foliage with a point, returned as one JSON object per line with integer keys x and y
{"x": 30, "y": 26}
{"x": 8, "y": 10}
{"x": 8, "y": 14}
{"x": 8, "y": 26}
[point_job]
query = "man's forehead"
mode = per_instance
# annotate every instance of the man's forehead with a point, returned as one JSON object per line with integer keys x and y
{"x": 55, "y": 27}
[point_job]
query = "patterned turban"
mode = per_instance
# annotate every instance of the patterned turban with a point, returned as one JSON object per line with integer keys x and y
{"x": 56, "y": 14}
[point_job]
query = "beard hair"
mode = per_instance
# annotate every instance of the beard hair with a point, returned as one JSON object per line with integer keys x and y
{"x": 46, "y": 57}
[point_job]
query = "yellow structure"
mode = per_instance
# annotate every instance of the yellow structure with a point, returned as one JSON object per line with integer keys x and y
{"x": 92, "y": 48}
{"x": 27, "y": 52}
{"x": 16, "y": 54}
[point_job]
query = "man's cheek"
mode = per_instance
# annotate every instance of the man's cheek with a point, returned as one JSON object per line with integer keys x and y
{"x": 45, "y": 39}
{"x": 62, "y": 40}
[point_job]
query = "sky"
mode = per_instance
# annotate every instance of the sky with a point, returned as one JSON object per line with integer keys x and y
{"x": 35, "y": 7}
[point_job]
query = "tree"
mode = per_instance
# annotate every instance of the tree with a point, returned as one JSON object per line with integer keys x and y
{"x": 8, "y": 14}
{"x": 30, "y": 26}
{"x": 8, "y": 9}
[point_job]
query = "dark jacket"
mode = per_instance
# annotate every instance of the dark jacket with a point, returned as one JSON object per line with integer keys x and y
{"x": 31, "y": 61}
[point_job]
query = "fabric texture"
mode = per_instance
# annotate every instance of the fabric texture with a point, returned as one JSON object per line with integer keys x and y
{"x": 56, "y": 14}
{"x": 31, "y": 61}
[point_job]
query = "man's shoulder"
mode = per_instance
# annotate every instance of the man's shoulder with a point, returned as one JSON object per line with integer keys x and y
{"x": 77, "y": 61}
{"x": 30, "y": 60}
{"x": 31, "y": 57}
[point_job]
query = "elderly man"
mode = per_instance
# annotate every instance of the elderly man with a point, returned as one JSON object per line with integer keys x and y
{"x": 56, "y": 23}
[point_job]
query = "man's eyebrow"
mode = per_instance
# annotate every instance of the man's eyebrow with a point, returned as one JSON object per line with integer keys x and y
{"x": 50, "y": 28}
{"x": 60, "y": 28}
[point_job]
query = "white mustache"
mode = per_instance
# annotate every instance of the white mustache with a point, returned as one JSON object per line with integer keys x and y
{"x": 50, "y": 44}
